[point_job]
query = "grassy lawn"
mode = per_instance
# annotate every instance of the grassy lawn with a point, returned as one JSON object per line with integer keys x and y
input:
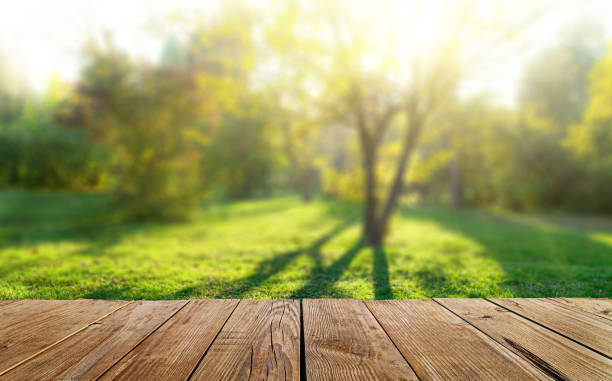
{"x": 77, "y": 246}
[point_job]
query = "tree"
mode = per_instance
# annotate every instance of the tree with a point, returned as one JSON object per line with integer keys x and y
{"x": 552, "y": 96}
{"x": 591, "y": 141}
{"x": 417, "y": 104}
{"x": 143, "y": 114}
{"x": 295, "y": 103}
{"x": 555, "y": 81}
{"x": 235, "y": 118}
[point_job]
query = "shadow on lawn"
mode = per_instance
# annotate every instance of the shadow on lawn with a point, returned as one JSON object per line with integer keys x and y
{"x": 31, "y": 219}
{"x": 540, "y": 257}
{"x": 268, "y": 267}
{"x": 28, "y": 219}
{"x": 321, "y": 279}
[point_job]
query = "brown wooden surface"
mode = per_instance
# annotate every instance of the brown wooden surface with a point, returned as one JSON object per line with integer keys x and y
{"x": 261, "y": 341}
{"x": 598, "y": 306}
{"x": 588, "y": 329}
{"x": 541, "y": 346}
{"x": 441, "y": 346}
{"x": 173, "y": 351}
{"x": 338, "y": 339}
{"x": 29, "y": 326}
{"x": 5, "y": 302}
{"x": 93, "y": 350}
{"x": 343, "y": 341}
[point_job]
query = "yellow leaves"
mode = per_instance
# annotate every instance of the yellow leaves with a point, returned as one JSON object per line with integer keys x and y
{"x": 58, "y": 90}
{"x": 538, "y": 120}
{"x": 425, "y": 167}
{"x": 346, "y": 185}
{"x": 600, "y": 105}
{"x": 197, "y": 137}
{"x": 592, "y": 139}
{"x": 148, "y": 155}
{"x": 578, "y": 141}
{"x": 219, "y": 93}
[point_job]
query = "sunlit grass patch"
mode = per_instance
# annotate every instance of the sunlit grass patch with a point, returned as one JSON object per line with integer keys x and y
{"x": 72, "y": 246}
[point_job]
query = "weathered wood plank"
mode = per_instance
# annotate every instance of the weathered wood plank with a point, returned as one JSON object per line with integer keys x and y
{"x": 173, "y": 351}
{"x": 587, "y": 329}
{"x": 440, "y": 346}
{"x": 599, "y": 306}
{"x": 29, "y": 326}
{"x": 260, "y": 341}
{"x": 544, "y": 348}
{"x": 93, "y": 350}
{"x": 343, "y": 341}
{"x": 5, "y": 302}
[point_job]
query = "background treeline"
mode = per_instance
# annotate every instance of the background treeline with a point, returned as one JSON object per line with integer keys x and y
{"x": 230, "y": 111}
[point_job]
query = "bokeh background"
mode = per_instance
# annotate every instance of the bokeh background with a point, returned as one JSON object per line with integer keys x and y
{"x": 155, "y": 149}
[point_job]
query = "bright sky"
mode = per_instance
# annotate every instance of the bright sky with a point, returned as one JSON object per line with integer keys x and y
{"x": 40, "y": 39}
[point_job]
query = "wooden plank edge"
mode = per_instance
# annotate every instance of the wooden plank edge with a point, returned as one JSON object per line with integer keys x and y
{"x": 550, "y": 329}
{"x": 390, "y": 338}
{"x": 143, "y": 339}
{"x": 213, "y": 340}
{"x": 528, "y": 356}
{"x": 576, "y": 308}
{"x": 64, "y": 338}
{"x": 157, "y": 328}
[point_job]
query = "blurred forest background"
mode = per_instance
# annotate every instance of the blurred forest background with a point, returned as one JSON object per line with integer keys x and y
{"x": 326, "y": 100}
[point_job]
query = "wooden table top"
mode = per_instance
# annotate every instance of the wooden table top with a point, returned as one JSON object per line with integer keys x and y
{"x": 314, "y": 339}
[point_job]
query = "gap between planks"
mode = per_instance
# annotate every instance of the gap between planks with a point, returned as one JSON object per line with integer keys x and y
{"x": 302, "y": 347}
{"x": 559, "y": 357}
{"x": 595, "y": 334}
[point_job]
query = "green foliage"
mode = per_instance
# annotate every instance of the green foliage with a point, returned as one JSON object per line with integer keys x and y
{"x": 145, "y": 122}
{"x": 243, "y": 106}
{"x": 521, "y": 159}
{"x": 70, "y": 246}
{"x": 555, "y": 82}
{"x": 591, "y": 141}
{"x": 240, "y": 158}
{"x": 36, "y": 152}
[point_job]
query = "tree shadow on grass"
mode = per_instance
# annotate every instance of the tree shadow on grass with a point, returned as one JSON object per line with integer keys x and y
{"x": 322, "y": 279}
{"x": 382, "y": 286}
{"x": 538, "y": 257}
{"x": 99, "y": 227}
{"x": 30, "y": 218}
{"x": 268, "y": 268}
{"x": 34, "y": 219}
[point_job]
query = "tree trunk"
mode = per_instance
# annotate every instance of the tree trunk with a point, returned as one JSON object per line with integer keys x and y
{"x": 413, "y": 131}
{"x": 456, "y": 190}
{"x": 306, "y": 183}
{"x": 370, "y": 228}
{"x": 300, "y": 173}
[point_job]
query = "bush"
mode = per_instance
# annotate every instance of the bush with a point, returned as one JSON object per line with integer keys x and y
{"x": 35, "y": 152}
{"x": 137, "y": 112}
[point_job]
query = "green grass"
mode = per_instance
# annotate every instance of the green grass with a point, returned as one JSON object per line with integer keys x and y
{"x": 77, "y": 246}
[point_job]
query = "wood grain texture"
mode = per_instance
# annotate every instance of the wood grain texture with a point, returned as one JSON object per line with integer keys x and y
{"x": 587, "y": 329}
{"x": 93, "y": 350}
{"x": 542, "y": 347}
{"x": 29, "y": 326}
{"x": 261, "y": 341}
{"x": 5, "y": 302}
{"x": 440, "y": 346}
{"x": 173, "y": 351}
{"x": 343, "y": 341}
{"x": 599, "y": 306}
